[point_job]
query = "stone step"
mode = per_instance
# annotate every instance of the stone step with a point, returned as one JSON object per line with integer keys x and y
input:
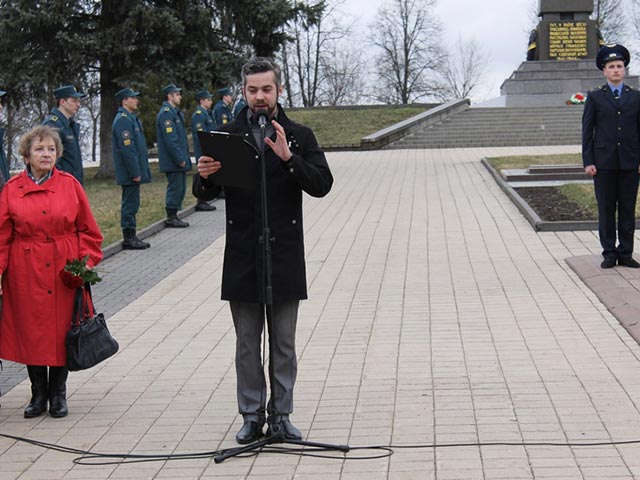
{"x": 511, "y": 126}
{"x": 555, "y": 169}
{"x": 525, "y": 176}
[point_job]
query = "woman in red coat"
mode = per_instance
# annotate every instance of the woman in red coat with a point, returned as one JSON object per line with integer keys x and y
{"x": 45, "y": 220}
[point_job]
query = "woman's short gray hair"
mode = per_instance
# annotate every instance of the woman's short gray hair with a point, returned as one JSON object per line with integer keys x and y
{"x": 39, "y": 133}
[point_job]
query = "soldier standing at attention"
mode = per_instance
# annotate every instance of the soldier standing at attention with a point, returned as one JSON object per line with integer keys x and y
{"x": 61, "y": 118}
{"x": 4, "y": 164}
{"x": 610, "y": 146}
{"x": 202, "y": 121}
{"x": 131, "y": 162}
{"x": 173, "y": 153}
{"x": 222, "y": 111}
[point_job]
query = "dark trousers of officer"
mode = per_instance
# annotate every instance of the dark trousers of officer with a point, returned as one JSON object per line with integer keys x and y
{"x": 176, "y": 190}
{"x": 129, "y": 206}
{"x": 248, "y": 320}
{"x": 616, "y": 190}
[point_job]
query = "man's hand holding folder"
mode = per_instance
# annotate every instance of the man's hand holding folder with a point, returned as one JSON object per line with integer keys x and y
{"x": 208, "y": 166}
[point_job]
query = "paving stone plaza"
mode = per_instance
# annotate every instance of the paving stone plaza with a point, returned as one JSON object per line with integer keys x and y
{"x": 436, "y": 316}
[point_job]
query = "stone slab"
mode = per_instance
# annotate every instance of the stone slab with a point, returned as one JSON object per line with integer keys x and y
{"x": 617, "y": 288}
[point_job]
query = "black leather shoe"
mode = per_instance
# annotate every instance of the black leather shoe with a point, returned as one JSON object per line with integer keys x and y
{"x": 175, "y": 222}
{"x": 250, "y": 432}
{"x": 134, "y": 244}
{"x": 286, "y": 427}
{"x": 205, "y": 207}
{"x": 628, "y": 262}
{"x": 608, "y": 263}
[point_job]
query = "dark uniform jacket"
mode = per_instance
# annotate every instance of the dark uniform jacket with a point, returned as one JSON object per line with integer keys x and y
{"x": 71, "y": 159}
{"x": 201, "y": 121}
{"x": 172, "y": 140}
{"x": 307, "y": 171}
{"x": 611, "y": 130}
{"x": 221, "y": 114}
{"x": 130, "y": 155}
{"x": 4, "y": 165}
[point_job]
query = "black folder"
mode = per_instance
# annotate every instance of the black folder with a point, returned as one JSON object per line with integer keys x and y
{"x": 236, "y": 155}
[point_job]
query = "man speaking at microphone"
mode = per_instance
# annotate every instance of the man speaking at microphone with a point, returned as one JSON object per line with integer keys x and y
{"x": 294, "y": 163}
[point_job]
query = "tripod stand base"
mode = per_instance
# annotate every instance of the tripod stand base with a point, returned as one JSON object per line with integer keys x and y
{"x": 274, "y": 439}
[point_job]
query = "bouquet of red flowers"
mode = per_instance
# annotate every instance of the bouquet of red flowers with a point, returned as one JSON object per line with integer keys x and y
{"x": 576, "y": 99}
{"x": 75, "y": 273}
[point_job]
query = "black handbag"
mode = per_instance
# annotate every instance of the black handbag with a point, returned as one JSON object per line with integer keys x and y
{"x": 89, "y": 341}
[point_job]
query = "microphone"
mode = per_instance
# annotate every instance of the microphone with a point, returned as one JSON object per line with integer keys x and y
{"x": 263, "y": 117}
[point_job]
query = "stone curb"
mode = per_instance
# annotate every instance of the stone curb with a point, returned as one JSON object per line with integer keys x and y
{"x": 116, "y": 247}
{"x": 534, "y": 219}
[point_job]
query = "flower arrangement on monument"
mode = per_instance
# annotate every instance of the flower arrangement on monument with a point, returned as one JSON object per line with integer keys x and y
{"x": 577, "y": 99}
{"x": 76, "y": 273}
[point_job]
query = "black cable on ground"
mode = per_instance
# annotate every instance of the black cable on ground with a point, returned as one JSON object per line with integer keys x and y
{"x": 88, "y": 457}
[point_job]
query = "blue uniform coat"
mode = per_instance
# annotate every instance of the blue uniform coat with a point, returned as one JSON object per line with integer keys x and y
{"x": 201, "y": 121}
{"x": 611, "y": 132}
{"x": 173, "y": 148}
{"x": 69, "y": 130}
{"x": 221, "y": 114}
{"x": 130, "y": 155}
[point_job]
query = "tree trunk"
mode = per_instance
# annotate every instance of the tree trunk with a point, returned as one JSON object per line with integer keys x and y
{"x": 108, "y": 110}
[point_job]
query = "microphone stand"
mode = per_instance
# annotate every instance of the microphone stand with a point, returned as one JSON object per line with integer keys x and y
{"x": 277, "y": 435}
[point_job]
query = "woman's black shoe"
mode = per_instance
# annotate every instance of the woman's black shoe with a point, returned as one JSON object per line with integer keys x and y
{"x": 39, "y": 392}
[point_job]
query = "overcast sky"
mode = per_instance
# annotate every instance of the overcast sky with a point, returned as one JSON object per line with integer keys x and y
{"x": 501, "y": 26}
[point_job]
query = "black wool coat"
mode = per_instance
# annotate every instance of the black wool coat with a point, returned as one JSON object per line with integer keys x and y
{"x": 611, "y": 130}
{"x": 307, "y": 171}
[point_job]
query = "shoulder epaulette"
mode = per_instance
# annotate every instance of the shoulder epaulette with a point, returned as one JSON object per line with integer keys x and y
{"x": 199, "y": 112}
{"x": 167, "y": 109}
{"x": 54, "y": 118}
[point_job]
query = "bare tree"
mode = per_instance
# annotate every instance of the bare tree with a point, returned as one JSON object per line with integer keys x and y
{"x": 407, "y": 34}
{"x": 463, "y": 72}
{"x": 312, "y": 33}
{"x": 342, "y": 75}
{"x": 610, "y": 17}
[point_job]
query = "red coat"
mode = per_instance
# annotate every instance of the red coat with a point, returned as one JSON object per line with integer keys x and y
{"x": 41, "y": 227}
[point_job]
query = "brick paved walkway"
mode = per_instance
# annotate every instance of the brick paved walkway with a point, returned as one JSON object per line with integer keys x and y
{"x": 436, "y": 314}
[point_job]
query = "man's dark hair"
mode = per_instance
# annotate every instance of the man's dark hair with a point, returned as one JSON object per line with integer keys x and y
{"x": 261, "y": 65}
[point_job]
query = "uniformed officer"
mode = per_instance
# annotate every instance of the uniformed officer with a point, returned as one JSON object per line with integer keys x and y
{"x": 173, "y": 153}
{"x": 131, "y": 162}
{"x": 4, "y": 165}
{"x": 202, "y": 121}
{"x": 610, "y": 146}
{"x": 222, "y": 111}
{"x": 61, "y": 118}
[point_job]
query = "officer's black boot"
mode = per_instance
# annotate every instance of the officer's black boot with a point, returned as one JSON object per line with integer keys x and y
{"x": 39, "y": 394}
{"x": 173, "y": 221}
{"x": 58, "y": 391}
{"x": 131, "y": 242}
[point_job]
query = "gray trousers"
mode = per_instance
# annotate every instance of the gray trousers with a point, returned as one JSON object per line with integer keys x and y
{"x": 248, "y": 320}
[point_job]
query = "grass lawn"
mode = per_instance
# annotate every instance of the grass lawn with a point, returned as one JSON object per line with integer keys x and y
{"x": 105, "y": 195}
{"x": 347, "y": 126}
{"x": 580, "y": 193}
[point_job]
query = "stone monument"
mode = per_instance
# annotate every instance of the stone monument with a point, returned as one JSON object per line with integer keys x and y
{"x": 561, "y": 58}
